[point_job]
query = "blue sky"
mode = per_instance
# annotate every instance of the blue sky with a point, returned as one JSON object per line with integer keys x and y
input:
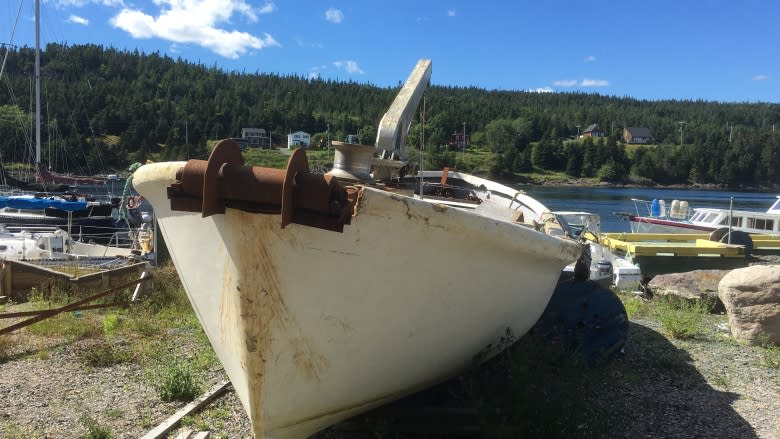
{"x": 716, "y": 50}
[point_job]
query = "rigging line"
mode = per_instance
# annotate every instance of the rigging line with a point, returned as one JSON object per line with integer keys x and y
{"x": 13, "y": 32}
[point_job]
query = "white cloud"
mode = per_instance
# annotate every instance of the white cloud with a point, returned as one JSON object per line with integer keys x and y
{"x": 760, "y": 78}
{"x": 590, "y": 58}
{"x": 303, "y": 43}
{"x": 267, "y": 8}
{"x": 75, "y": 19}
{"x": 81, "y": 3}
{"x": 565, "y": 83}
{"x": 541, "y": 90}
{"x": 334, "y": 15}
{"x": 314, "y": 75}
{"x": 594, "y": 83}
{"x": 196, "y": 22}
{"x": 348, "y": 66}
{"x": 451, "y": 13}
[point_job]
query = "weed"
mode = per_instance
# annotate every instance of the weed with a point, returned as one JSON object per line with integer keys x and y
{"x": 94, "y": 429}
{"x": 634, "y": 305}
{"x": 770, "y": 356}
{"x": 43, "y": 355}
{"x": 115, "y": 413}
{"x": 12, "y": 430}
{"x": 681, "y": 319}
{"x": 175, "y": 382}
{"x": 65, "y": 325}
{"x": 146, "y": 420}
{"x": 103, "y": 354}
{"x": 721, "y": 381}
{"x": 110, "y": 323}
{"x": 6, "y": 343}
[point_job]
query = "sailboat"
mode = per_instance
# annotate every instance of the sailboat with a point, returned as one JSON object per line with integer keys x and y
{"x": 51, "y": 201}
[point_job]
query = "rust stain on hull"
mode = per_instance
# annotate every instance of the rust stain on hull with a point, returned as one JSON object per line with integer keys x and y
{"x": 252, "y": 293}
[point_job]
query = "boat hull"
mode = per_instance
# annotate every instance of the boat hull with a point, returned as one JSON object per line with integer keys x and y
{"x": 640, "y": 224}
{"x": 313, "y": 326}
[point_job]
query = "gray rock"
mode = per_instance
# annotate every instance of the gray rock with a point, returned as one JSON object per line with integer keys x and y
{"x": 751, "y": 296}
{"x": 691, "y": 285}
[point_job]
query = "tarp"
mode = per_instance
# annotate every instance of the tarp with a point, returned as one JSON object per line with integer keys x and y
{"x": 29, "y": 203}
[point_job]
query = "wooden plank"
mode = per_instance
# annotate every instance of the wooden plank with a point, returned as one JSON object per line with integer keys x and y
{"x": 185, "y": 433}
{"x": 161, "y": 430}
{"x": 201, "y": 435}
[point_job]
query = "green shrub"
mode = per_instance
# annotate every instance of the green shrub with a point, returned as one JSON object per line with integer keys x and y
{"x": 103, "y": 354}
{"x": 771, "y": 356}
{"x": 175, "y": 382}
{"x": 681, "y": 319}
{"x": 94, "y": 429}
{"x": 110, "y": 323}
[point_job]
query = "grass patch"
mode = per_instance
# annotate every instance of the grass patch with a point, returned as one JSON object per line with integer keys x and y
{"x": 770, "y": 356}
{"x": 680, "y": 319}
{"x": 115, "y": 413}
{"x": 66, "y": 325}
{"x": 12, "y": 430}
{"x": 635, "y": 306}
{"x": 176, "y": 382}
{"x": 94, "y": 429}
{"x": 103, "y": 354}
{"x": 110, "y": 323}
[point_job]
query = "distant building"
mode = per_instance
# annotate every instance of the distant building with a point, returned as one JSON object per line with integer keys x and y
{"x": 458, "y": 141}
{"x": 298, "y": 138}
{"x": 593, "y": 131}
{"x": 638, "y": 135}
{"x": 256, "y": 137}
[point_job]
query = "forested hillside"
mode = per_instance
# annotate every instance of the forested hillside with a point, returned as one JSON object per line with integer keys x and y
{"x": 104, "y": 108}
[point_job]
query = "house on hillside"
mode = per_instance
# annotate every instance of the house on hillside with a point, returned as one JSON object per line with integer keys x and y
{"x": 593, "y": 131}
{"x": 458, "y": 141}
{"x": 256, "y": 137}
{"x": 298, "y": 138}
{"x": 637, "y": 135}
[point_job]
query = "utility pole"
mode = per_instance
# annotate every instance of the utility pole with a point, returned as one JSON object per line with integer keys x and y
{"x": 463, "y": 154}
{"x": 328, "y": 137}
{"x": 682, "y": 123}
{"x": 578, "y": 131}
{"x": 731, "y": 129}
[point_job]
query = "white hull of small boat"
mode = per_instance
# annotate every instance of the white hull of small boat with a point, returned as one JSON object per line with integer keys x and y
{"x": 313, "y": 326}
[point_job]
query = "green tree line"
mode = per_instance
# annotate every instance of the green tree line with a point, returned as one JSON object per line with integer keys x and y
{"x": 104, "y": 108}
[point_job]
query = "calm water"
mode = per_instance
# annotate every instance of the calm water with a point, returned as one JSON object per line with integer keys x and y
{"x": 607, "y": 201}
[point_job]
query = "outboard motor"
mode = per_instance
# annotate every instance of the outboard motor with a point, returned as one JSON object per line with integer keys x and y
{"x": 604, "y": 269}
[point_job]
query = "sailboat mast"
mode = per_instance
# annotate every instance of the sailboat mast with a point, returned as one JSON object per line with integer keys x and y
{"x": 37, "y": 82}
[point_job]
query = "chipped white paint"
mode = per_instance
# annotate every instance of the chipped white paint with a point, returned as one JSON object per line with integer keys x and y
{"x": 314, "y": 326}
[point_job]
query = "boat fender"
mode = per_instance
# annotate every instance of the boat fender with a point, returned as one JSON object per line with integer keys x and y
{"x": 655, "y": 208}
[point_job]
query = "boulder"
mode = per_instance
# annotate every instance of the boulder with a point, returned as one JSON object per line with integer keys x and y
{"x": 691, "y": 285}
{"x": 751, "y": 296}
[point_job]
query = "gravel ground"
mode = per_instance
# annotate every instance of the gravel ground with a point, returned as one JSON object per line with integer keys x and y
{"x": 659, "y": 388}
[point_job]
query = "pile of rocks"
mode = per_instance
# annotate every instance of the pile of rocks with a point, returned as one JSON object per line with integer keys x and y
{"x": 750, "y": 296}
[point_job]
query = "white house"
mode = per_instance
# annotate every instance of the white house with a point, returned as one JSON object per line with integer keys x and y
{"x": 298, "y": 138}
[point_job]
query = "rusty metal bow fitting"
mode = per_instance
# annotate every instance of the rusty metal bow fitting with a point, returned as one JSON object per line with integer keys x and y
{"x": 298, "y": 195}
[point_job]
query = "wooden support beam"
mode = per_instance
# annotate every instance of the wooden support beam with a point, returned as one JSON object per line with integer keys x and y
{"x": 70, "y": 307}
{"x": 161, "y": 430}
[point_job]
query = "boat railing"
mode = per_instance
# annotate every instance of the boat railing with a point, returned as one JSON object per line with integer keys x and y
{"x": 677, "y": 210}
